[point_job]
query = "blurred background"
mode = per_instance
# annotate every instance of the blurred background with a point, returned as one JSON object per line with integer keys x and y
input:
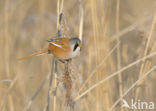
{"x": 26, "y": 25}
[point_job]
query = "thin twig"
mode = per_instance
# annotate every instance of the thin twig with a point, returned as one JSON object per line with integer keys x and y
{"x": 81, "y": 20}
{"x": 129, "y": 28}
{"x": 55, "y": 85}
{"x": 6, "y": 80}
{"x": 50, "y": 84}
{"x": 118, "y": 49}
{"x": 132, "y": 86}
{"x": 114, "y": 74}
{"x": 27, "y": 106}
{"x": 7, "y": 93}
{"x": 146, "y": 51}
{"x": 93, "y": 72}
{"x": 6, "y": 34}
{"x": 7, "y": 47}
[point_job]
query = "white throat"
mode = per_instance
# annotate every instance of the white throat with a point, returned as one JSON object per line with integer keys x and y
{"x": 76, "y": 52}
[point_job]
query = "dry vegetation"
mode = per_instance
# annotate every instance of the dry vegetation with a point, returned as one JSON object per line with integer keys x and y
{"x": 119, "y": 48}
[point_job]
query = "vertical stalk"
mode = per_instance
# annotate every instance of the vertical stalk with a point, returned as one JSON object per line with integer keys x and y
{"x": 59, "y": 19}
{"x": 50, "y": 84}
{"x": 142, "y": 69}
{"x": 81, "y": 20}
{"x": 95, "y": 38}
{"x": 55, "y": 82}
{"x": 118, "y": 51}
{"x": 6, "y": 35}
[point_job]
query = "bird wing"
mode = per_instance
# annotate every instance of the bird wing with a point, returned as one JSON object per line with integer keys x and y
{"x": 57, "y": 45}
{"x": 58, "y": 42}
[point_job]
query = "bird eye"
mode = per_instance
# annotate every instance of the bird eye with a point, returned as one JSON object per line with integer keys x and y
{"x": 75, "y": 47}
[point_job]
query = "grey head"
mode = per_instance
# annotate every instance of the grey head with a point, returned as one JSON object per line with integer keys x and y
{"x": 75, "y": 44}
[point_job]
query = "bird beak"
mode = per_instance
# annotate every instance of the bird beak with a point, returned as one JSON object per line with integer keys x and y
{"x": 80, "y": 45}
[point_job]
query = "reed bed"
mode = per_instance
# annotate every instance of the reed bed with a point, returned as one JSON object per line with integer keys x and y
{"x": 117, "y": 61}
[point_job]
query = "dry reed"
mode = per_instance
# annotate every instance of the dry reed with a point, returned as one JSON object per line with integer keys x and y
{"x": 117, "y": 59}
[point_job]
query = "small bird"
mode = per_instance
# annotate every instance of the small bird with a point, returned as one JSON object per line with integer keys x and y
{"x": 61, "y": 48}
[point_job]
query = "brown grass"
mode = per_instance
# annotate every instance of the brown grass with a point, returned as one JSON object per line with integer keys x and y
{"x": 117, "y": 60}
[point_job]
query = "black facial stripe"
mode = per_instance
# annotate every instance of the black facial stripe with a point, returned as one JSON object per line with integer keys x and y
{"x": 75, "y": 47}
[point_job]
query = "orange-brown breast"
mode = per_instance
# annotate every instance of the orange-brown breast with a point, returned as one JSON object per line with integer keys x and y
{"x": 60, "y": 53}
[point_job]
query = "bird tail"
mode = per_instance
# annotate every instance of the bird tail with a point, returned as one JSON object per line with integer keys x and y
{"x": 34, "y": 54}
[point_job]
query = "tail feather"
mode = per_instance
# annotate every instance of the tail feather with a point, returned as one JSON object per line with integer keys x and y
{"x": 34, "y": 54}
